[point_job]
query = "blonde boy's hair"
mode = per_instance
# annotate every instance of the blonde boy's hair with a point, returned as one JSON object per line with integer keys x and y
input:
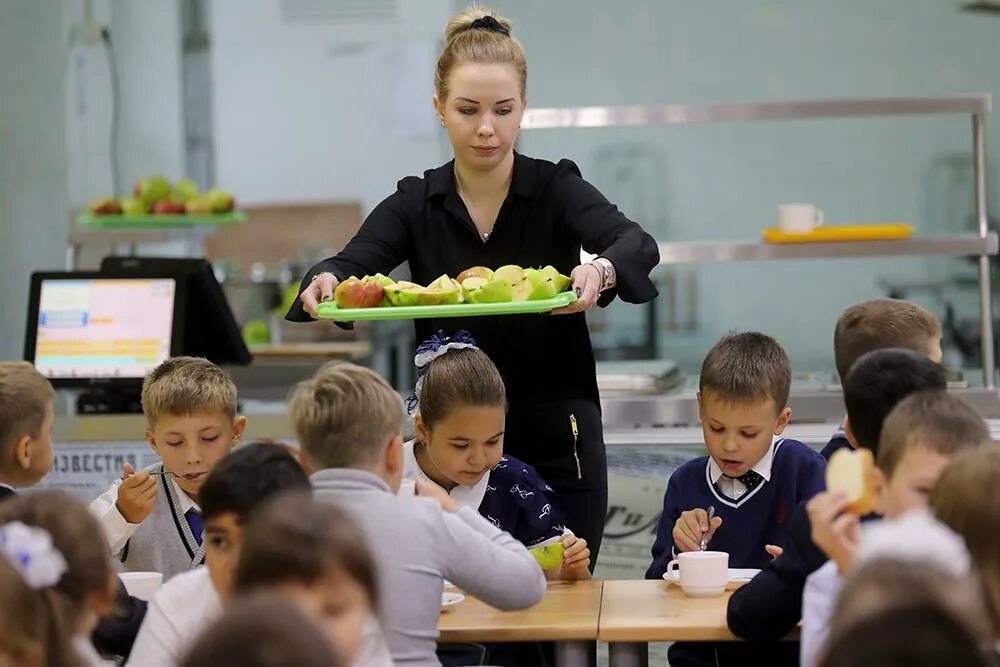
{"x": 964, "y": 498}
{"x": 343, "y": 415}
{"x": 25, "y": 394}
{"x": 933, "y": 420}
{"x": 879, "y": 324}
{"x": 187, "y": 385}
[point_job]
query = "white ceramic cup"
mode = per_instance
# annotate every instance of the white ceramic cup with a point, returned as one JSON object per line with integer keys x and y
{"x": 799, "y": 218}
{"x": 703, "y": 574}
{"x": 142, "y": 585}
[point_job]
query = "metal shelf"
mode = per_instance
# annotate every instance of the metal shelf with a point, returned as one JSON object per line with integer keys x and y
{"x": 957, "y": 245}
{"x": 981, "y": 245}
{"x": 671, "y": 114}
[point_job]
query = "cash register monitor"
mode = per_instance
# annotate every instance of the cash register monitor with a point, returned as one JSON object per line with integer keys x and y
{"x": 89, "y": 328}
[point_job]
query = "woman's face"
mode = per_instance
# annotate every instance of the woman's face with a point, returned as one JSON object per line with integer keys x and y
{"x": 482, "y": 113}
{"x": 464, "y": 445}
{"x": 339, "y": 604}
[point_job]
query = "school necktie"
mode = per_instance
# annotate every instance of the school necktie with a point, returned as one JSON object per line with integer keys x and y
{"x": 751, "y": 479}
{"x": 193, "y": 517}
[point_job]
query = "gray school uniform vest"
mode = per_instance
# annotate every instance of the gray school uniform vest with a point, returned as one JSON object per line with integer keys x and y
{"x": 164, "y": 542}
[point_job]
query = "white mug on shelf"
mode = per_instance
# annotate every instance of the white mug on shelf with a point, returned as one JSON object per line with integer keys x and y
{"x": 142, "y": 585}
{"x": 799, "y": 218}
{"x": 703, "y": 574}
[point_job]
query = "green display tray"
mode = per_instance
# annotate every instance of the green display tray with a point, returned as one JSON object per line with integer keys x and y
{"x": 156, "y": 221}
{"x": 330, "y": 311}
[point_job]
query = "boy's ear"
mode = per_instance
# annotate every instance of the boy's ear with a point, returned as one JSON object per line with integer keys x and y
{"x": 393, "y": 458}
{"x": 850, "y": 433}
{"x": 21, "y": 451}
{"x": 881, "y": 482}
{"x": 784, "y": 417}
{"x": 151, "y": 440}
{"x": 239, "y": 425}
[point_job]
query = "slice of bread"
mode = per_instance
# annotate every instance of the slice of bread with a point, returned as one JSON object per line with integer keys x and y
{"x": 850, "y": 471}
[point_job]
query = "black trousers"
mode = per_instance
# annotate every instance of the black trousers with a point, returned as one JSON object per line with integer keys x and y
{"x": 574, "y": 465}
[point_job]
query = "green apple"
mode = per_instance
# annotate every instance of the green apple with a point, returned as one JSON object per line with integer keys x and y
{"x": 480, "y": 290}
{"x": 384, "y": 281}
{"x": 184, "y": 191}
{"x": 152, "y": 190}
{"x": 475, "y": 272}
{"x": 134, "y": 206}
{"x": 402, "y": 293}
{"x": 471, "y": 285}
{"x": 256, "y": 332}
{"x": 533, "y": 276}
{"x": 511, "y": 273}
{"x": 543, "y": 289}
{"x": 198, "y": 206}
{"x": 561, "y": 282}
{"x": 549, "y": 554}
{"x": 220, "y": 200}
{"x": 521, "y": 290}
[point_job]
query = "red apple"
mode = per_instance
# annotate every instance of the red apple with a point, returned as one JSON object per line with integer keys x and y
{"x": 357, "y": 293}
{"x": 168, "y": 207}
{"x": 374, "y": 293}
{"x": 105, "y": 206}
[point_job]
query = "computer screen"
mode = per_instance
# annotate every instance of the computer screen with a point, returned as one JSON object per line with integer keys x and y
{"x": 210, "y": 330}
{"x": 95, "y": 328}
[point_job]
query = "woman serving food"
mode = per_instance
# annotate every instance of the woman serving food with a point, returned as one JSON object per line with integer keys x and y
{"x": 492, "y": 207}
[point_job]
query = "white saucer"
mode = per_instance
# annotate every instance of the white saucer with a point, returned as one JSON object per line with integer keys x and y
{"x": 737, "y": 576}
{"x": 449, "y": 598}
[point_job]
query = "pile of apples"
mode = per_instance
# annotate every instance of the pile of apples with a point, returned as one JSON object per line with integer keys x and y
{"x": 156, "y": 195}
{"x": 476, "y": 285}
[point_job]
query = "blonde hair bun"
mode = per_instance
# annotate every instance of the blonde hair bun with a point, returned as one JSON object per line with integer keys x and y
{"x": 464, "y": 20}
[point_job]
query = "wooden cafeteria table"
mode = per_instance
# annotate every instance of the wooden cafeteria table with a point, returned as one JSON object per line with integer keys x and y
{"x": 634, "y": 613}
{"x": 567, "y": 615}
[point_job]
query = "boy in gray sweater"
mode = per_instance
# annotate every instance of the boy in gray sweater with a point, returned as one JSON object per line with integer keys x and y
{"x": 349, "y": 422}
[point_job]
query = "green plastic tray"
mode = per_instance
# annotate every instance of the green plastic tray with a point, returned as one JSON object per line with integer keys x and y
{"x": 156, "y": 221}
{"x": 329, "y": 310}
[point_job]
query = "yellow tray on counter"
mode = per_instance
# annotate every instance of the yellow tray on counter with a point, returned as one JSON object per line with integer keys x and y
{"x": 840, "y": 234}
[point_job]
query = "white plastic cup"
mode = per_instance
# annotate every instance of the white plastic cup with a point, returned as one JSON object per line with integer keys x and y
{"x": 703, "y": 574}
{"x": 799, "y": 218}
{"x": 142, "y": 585}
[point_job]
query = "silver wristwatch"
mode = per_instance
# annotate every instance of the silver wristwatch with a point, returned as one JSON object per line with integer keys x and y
{"x": 608, "y": 276}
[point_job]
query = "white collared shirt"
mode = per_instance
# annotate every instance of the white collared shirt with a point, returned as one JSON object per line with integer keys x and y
{"x": 116, "y": 529}
{"x": 184, "y": 607}
{"x": 465, "y": 496}
{"x": 734, "y": 488}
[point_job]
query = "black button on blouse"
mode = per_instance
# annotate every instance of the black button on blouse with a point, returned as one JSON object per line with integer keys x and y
{"x": 550, "y": 213}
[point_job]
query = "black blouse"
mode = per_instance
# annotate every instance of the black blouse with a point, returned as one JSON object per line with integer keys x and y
{"x": 549, "y": 213}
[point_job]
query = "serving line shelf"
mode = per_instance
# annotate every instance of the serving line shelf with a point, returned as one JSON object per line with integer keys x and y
{"x": 982, "y": 244}
{"x": 954, "y": 245}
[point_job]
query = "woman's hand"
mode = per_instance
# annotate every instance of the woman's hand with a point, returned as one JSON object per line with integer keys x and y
{"x": 587, "y": 280}
{"x": 319, "y": 290}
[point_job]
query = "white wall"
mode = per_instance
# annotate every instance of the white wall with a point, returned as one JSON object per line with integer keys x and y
{"x": 33, "y": 192}
{"x": 319, "y": 110}
{"x": 146, "y": 37}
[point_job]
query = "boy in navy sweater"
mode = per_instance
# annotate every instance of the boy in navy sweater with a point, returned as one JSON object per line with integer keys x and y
{"x": 770, "y": 605}
{"x": 879, "y": 324}
{"x": 752, "y": 476}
